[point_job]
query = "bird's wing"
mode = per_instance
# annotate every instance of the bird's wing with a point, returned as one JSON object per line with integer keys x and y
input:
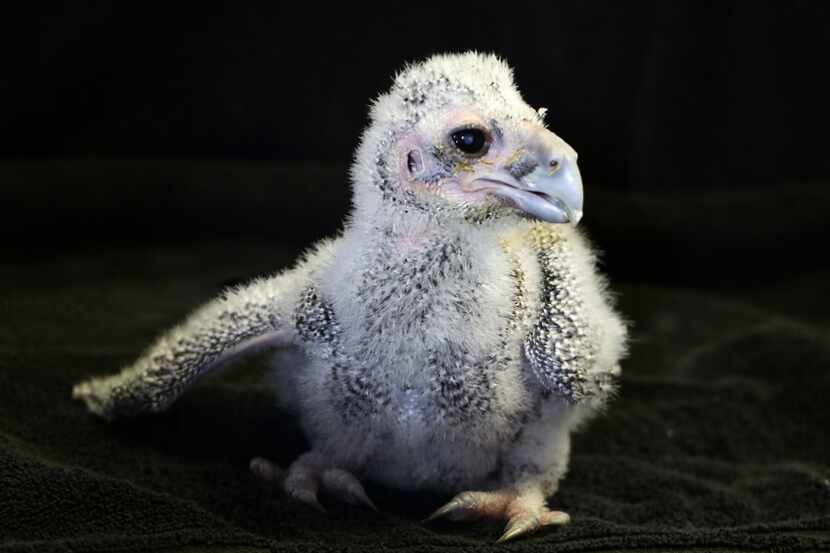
{"x": 576, "y": 340}
{"x": 239, "y": 322}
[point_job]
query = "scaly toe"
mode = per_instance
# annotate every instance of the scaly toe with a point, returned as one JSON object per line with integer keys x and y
{"x": 555, "y": 518}
{"x": 520, "y": 526}
{"x": 526, "y": 523}
{"x": 266, "y": 470}
{"x": 525, "y": 511}
{"x": 346, "y": 487}
{"x": 304, "y": 477}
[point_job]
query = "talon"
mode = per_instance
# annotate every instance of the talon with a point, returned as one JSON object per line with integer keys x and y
{"x": 463, "y": 505}
{"x": 302, "y": 484}
{"x": 525, "y": 513}
{"x": 308, "y": 497}
{"x": 455, "y": 503}
{"x": 347, "y": 487}
{"x": 520, "y": 526}
{"x": 366, "y": 500}
{"x": 438, "y": 513}
{"x": 449, "y": 507}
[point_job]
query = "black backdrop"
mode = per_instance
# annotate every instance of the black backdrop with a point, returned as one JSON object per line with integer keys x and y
{"x": 137, "y": 122}
{"x": 653, "y": 95}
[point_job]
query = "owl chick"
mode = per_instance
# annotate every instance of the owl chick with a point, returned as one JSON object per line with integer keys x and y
{"x": 450, "y": 338}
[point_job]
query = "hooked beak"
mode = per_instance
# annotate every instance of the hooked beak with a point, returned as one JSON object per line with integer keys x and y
{"x": 542, "y": 179}
{"x": 556, "y": 198}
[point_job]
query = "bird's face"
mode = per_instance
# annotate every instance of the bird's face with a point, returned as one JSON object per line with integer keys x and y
{"x": 453, "y": 136}
{"x": 473, "y": 161}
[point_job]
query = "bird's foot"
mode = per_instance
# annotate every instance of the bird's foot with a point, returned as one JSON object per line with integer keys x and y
{"x": 307, "y": 475}
{"x": 525, "y": 512}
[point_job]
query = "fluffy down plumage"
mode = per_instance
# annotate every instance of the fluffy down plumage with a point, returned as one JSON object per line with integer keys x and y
{"x": 445, "y": 340}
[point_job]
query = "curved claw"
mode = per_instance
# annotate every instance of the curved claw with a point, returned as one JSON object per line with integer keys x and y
{"x": 470, "y": 505}
{"x": 519, "y": 526}
{"x": 346, "y": 487}
{"x": 309, "y": 497}
{"x": 302, "y": 484}
{"x": 444, "y": 510}
{"x": 458, "y": 503}
{"x": 522, "y": 525}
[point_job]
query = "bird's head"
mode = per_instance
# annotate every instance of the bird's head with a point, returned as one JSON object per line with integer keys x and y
{"x": 453, "y": 136}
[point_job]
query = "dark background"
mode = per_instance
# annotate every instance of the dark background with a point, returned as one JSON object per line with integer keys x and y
{"x": 128, "y": 122}
{"x": 654, "y": 95}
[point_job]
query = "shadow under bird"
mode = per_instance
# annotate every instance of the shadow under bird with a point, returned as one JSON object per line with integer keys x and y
{"x": 450, "y": 338}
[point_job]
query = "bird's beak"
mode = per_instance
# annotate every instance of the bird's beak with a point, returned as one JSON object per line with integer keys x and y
{"x": 551, "y": 191}
{"x": 553, "y": 198}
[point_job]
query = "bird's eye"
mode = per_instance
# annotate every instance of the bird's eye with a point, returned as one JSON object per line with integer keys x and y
{"x": 470, "y": 141}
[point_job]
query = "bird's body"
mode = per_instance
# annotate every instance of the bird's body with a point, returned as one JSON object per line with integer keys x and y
{"x": 433, "y": 391}
{"x": 444, "y": 340}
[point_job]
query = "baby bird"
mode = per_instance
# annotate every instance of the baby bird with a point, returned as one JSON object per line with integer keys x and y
{"x": 450, "y": 338}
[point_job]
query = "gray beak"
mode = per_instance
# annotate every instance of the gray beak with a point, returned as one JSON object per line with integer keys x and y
{"x": 541, "y": 178}
{"x": 552, "y": 193}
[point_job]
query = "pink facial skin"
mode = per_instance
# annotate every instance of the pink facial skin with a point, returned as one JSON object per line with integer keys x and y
{"x": 525, "y": 166}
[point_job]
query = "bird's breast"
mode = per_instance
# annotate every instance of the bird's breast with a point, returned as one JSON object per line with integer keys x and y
{"x": 426, "y": 340}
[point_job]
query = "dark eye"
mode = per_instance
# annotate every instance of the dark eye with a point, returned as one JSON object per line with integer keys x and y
{"x": 470, "y": 141}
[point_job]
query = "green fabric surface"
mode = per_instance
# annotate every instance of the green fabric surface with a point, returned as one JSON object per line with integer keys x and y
{"x": 717, "y": 441}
